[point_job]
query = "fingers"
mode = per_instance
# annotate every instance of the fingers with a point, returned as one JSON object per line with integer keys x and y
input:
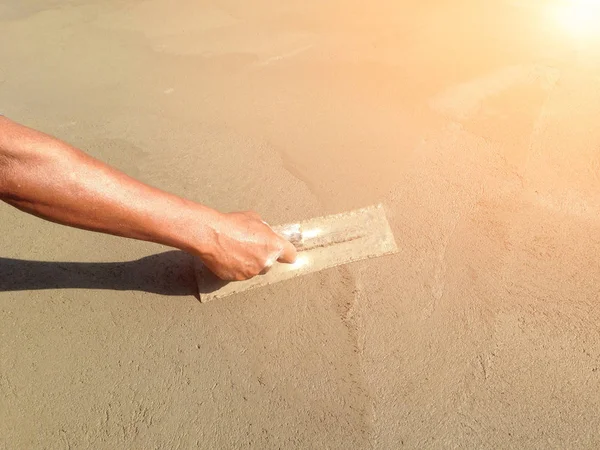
{"x": 288, "y": 253}
{"x": 252, "y": 248}
{"x": 268, "y": 266}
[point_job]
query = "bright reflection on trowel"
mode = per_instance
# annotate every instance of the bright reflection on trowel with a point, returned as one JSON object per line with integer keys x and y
{"x": 301, "y": 261}
{"x": 311, "y": 234}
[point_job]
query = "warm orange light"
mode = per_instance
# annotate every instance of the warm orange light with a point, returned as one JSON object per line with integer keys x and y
{"x": 579, "y": 18}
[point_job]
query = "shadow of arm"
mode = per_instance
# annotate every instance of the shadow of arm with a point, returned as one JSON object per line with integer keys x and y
{"x": 169, "y": 273}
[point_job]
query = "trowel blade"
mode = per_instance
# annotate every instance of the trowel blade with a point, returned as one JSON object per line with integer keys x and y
{"x": 323, "y": 242}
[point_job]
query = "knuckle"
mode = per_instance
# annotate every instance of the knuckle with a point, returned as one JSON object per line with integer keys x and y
{"x": 247, "y": 273}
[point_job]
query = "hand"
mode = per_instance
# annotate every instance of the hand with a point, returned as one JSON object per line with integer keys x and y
{"x": 243, "y": 246}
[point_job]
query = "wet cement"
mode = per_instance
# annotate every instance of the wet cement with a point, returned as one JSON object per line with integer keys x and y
{"x": 476, "y": 126}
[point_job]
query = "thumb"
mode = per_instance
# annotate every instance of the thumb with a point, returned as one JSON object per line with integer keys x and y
{"x": 288, "y": 252}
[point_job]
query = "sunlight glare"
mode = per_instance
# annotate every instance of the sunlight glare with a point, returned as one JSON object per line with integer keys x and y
{"x": 579, "y": 18}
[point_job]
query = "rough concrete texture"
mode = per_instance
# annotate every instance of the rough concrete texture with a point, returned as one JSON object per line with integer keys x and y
{"x": 476, "y": 123}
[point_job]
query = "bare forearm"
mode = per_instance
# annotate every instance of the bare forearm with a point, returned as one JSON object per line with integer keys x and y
{"x": 46, "y": 177}
{"x": 51, "y": 179}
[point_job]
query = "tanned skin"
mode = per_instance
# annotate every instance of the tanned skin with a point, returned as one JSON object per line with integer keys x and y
{"x": 46, "y": 177}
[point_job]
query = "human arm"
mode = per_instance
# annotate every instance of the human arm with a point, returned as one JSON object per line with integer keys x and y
{"x": 44, "y": 176}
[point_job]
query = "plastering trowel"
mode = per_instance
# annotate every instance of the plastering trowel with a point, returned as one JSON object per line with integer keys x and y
{"x": 322, "y": 243}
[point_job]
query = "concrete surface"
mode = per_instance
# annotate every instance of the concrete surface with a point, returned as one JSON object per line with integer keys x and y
{"x": 476, "y": 123}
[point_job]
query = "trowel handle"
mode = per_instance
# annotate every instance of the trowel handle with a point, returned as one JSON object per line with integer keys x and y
{"x": 292, "y": 233}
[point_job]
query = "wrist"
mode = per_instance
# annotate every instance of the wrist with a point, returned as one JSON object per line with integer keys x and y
{"x": 193, "y": 228}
